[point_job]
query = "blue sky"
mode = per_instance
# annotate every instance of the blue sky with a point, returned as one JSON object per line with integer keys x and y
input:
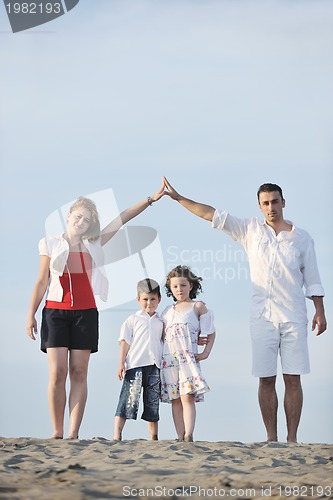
{"x": 220, "y": 97}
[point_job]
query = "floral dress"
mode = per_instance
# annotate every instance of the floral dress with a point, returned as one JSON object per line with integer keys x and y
{"x": 180, "y": 373}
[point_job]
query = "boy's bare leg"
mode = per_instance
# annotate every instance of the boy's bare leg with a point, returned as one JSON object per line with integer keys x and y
{"x": 153, "y": 430}
{"x": 119, "y": 423}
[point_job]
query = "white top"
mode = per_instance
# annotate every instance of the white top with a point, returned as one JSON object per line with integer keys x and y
{"x": 57, "y": 248}
{"x": 144, "y": 335}
{"x": 280, "y": 266}
{"x": 182, "y": 328}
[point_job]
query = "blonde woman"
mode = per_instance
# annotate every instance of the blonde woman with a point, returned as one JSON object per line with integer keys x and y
{"x": 71, "y": 271}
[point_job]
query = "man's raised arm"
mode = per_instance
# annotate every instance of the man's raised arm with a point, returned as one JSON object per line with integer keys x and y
{"x": 204, "y": 211}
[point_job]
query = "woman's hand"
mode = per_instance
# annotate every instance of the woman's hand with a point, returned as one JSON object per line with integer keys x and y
{"x": 157, "y": 196}
{"x": 31, "y": 328}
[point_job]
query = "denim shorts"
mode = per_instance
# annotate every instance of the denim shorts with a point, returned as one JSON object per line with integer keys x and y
{"x": 148, "y": 379}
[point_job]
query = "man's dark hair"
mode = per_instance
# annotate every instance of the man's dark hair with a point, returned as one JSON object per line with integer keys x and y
{"x": 148, "y": 285}
{"x": 268, "y": 188}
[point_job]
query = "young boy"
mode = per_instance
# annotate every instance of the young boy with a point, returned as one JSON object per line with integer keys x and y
{"x": 140, "y": 358}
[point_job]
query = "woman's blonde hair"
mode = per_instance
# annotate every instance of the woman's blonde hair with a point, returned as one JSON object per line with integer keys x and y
{"x": 94, "y": 230}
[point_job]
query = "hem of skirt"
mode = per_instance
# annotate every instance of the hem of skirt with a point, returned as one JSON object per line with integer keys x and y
{"x": 199, "y": 396}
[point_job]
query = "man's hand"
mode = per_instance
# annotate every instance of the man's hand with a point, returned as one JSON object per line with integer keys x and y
{"x": 319, "y": 318}
{"x": 319, "y": 321}
{"x": 202, "y": 340}
{"x": 200, "y": 209}
{"x": 200, "y": 357}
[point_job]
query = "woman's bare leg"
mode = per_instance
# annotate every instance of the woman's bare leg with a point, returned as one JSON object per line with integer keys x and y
{"x": 78, "y": 371}
{"x": 58, "y": 369}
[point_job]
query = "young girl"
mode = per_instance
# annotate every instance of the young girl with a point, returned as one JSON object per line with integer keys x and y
{"x": 181, "y": 379}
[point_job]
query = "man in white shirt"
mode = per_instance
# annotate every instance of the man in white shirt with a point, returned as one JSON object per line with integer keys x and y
{"x": 282, "y": 261}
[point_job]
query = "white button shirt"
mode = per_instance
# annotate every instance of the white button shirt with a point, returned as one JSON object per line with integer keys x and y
{"x": 280, "y": 266}
{"x": 144, "y": 335}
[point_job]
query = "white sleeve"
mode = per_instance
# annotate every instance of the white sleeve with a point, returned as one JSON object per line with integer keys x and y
{"x": 43, "y": 248}
{"x": 233, "y": 226}
{"x": 126, "y": 331}
{"x": 312, "y": 282}
{"x": 207, "y": 323}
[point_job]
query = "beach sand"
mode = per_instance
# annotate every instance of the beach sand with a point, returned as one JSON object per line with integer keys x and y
{"x": 97, "y": 468}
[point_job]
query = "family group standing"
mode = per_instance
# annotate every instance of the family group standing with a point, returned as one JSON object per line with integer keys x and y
{"x": 160, "y": 354}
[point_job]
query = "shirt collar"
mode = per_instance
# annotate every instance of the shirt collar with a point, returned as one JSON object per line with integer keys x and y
{"x": 143, "y": 313}
{"x": 293, "y": 228}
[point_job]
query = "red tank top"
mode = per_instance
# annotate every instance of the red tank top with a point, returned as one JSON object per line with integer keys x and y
{"x": 76, "y": 284}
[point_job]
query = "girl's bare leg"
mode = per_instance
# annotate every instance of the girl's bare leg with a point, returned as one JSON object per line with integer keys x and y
{"x": 189, "y": 414}
{"x": 177, "y": 414}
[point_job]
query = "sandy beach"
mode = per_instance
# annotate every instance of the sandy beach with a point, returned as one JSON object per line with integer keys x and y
{"x": 98, "y": 468}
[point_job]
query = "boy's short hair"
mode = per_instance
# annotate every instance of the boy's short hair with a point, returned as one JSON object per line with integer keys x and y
{"x": 148, "y": 286}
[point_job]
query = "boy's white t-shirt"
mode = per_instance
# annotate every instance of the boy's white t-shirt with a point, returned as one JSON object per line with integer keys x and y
{"x": 144, "y": 335}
